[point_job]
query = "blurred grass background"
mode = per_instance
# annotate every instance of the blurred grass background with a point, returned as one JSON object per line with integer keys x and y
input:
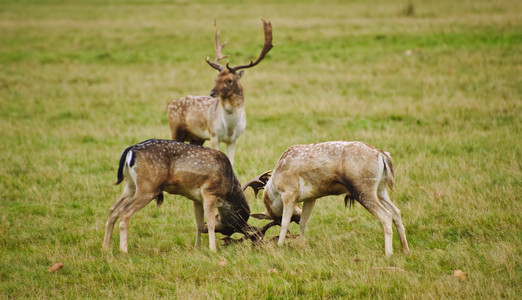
{"x": 435, "y": 83}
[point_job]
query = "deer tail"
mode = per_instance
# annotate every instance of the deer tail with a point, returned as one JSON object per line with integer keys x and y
{"x": 388, "y": 169}
{"x": 122, "y": 164}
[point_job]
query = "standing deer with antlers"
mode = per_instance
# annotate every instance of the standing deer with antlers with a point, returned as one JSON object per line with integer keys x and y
{"x": 220, "y": 117}
{"x": 305, "y": 173}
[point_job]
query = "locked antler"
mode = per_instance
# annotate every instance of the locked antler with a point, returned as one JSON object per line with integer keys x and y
{"x": 258, "y": 183}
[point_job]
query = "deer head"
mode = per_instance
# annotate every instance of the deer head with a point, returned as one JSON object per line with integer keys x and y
{"x": 253, "y": 233}
{"x": 227, "y": 81}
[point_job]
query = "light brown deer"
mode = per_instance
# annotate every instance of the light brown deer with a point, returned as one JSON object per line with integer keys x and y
{"x": 203, "y": 175}
{"x": 305, "y": 173}
{"x": 220, "y": 117}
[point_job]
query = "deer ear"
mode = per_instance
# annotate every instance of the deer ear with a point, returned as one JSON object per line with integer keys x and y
{"x": 240, "y": 74}
{"x": 262, "y": 216}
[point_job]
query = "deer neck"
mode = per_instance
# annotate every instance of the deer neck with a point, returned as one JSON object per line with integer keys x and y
{"x": 234, "y": 212}
{"x": 233, "y": 103}
{"x": 268, "y": 199}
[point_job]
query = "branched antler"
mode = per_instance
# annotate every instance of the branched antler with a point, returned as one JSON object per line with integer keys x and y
{"x": 257, "y": 235}
{"x": 218, "y": 49}
{"x": 267, "y": 28}
{"x": 258, "y": 183}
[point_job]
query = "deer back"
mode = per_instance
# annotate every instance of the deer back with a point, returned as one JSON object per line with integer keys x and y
{"x": 330, "y": 168}
{"x": 189, "y": 170}
{"x": 191, "y": 117}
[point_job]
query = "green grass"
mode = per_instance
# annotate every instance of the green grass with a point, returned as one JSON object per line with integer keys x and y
{"x": 438, "y": 87}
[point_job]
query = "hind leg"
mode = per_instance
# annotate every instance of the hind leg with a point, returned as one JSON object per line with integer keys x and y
{"x": 114, "y": 213}
{"x": 199, "y": 215}
{"x": 375, "y": 207}
{"x": 308, "y": 205}
{"x": 139, "y": 201}
{"x": 397, "y": 220}
{"x": 178, "y": 133}
{"x": 197, "y": 142}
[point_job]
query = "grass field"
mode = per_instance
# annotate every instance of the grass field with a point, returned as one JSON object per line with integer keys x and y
{"x": 435, "y": 83}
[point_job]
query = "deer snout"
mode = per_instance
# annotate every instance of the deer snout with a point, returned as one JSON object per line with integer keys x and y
{"x": 213, "y": 93}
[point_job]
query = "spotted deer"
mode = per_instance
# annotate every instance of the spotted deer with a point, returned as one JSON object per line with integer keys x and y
{"x": 305, "y": 173}
{"x": 220, "y": 117}
{"x": 203, "y": 175}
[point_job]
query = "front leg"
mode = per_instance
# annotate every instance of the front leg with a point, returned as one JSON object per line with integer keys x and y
{"x": 289, "y": 202}
{"x": 214, "y": 142}
{"x": 209, "y": 205}
{"x": 231, "y": 150}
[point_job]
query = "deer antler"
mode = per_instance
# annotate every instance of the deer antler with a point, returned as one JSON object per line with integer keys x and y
{"x": 257, "y": 236}
{"x": 218, "y": 48}
{"x": 267, "y": 27}
{"x": 258, "y": 183}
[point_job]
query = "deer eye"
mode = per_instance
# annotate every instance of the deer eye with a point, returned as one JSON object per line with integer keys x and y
{"x": 229, "y": 81}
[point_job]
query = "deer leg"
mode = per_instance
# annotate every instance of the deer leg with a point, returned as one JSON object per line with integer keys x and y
{"x": 178, "y": 133}
{"x": 199, "y": 214}
{"x": 231, "y": 150}
{"x": 114, "y": 213}
{"x": 209, "y": 207}
{"x": 375, "y": 207}
{"x": 397, "y": 220}
{"x": 214, "y": 143}
{"x": 174, "y": 135}
{"x": 288, "y": 210}
{"x": 197, "y": 142}
{"x": 139, "y": 201}
{"x": 308, "y": 205}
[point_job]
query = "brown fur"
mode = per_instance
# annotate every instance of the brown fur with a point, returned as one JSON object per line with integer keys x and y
{"x": 203, "y": 175}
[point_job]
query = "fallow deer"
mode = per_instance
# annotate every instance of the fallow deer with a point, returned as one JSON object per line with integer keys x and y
{"x": 220, "y": 117}
{"x": 203, "y": 175}
{"x": 305, "y": 173}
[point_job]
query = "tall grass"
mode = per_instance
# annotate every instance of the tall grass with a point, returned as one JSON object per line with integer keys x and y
{"x": 435, "y": 83}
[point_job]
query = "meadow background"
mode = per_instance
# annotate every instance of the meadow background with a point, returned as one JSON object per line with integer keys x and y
{"x": 435, "y": 83}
